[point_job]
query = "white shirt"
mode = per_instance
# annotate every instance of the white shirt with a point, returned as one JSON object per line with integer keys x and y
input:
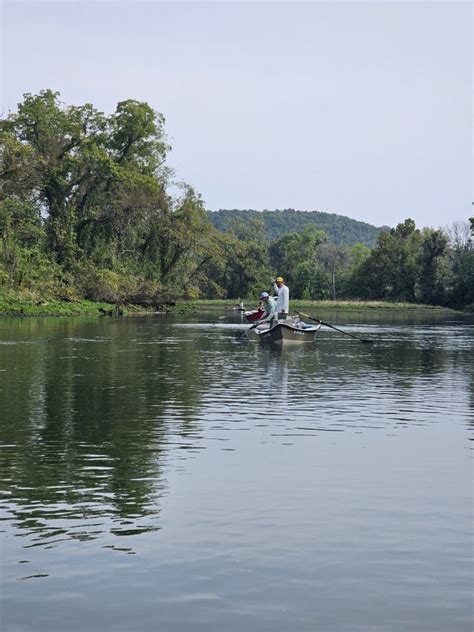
{"x": 283, "y": 302}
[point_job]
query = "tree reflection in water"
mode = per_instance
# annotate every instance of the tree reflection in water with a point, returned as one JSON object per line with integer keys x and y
{"x": 89, "y": 418}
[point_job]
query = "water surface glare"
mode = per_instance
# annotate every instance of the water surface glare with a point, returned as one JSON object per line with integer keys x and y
{"x": 158, "y": 473}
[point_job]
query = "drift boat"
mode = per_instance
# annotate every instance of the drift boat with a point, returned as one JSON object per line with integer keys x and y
{"x": 254, "y": 314}
{"x": 291, "y": 331}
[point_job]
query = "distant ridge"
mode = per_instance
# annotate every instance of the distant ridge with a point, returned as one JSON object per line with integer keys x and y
{"x": 341, "y": 230}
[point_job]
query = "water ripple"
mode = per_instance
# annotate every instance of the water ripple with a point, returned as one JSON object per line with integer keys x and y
{"x": 209, "y": 470}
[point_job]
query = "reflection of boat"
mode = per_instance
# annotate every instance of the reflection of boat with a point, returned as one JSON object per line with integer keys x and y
{"x": 291, "y": 331}
{"x": 254, "y": 314}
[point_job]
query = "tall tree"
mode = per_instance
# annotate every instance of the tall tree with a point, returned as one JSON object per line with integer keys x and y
{"x": 245, "y": 267}
{"x": 294, "y": 255}
{"x": 88, "y": 165}
{"x": 461, "y": 260}
{"x": 333, "y": 259}
{"x": 431, "y": 272}
{"x": 390, "y": 272}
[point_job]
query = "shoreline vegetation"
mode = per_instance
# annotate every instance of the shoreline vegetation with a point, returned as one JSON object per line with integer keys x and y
{"x": 325, "y": 305}
{"x": 93, "y": 218}
{"x": 17, "y": 305}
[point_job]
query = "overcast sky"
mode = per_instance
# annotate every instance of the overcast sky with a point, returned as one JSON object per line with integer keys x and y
{"x": 356, "y": 108}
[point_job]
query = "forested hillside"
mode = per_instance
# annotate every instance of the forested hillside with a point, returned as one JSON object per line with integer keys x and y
{"x": 340, "y": 230}
{"x": 89, "y": 210}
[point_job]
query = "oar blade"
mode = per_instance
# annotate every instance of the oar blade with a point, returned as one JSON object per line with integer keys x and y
{"x": 246, "y": 332}
{"x": 346, "y": 333}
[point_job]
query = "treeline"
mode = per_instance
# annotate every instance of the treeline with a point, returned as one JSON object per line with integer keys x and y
{"x": 340, "y": 230}
{"x": 90, "y": 209}
{"x": 434, "y": 267}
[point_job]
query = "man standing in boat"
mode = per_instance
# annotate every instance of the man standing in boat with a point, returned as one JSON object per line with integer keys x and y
{"x": 283, "y": 302}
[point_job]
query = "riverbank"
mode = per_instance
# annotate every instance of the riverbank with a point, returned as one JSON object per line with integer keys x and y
{"x": 18, "y": 305}
{"x": 26, "y": 304}
{"x": 300, "y": 304}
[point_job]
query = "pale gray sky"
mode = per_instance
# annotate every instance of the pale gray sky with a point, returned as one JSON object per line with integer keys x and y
{"x": 357, "y": 108}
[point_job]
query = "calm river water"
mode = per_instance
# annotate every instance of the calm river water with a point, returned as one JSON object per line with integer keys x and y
{"x": 158, "y": 474}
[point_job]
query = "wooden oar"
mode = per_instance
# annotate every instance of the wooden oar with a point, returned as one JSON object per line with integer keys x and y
{"x": 346, "y": 333}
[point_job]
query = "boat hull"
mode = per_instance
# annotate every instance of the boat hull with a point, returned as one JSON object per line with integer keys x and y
{"x": 283, "y": 333}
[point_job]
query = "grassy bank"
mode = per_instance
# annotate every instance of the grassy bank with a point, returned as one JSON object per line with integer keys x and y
{"x": 30, "y": 304}
{"x": 345, "y": 305}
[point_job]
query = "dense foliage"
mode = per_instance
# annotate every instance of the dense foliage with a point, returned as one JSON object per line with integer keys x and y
{"x": 340, "y": 230}
{"x": 85, "y": 204}
{"x": 89, "y": 209}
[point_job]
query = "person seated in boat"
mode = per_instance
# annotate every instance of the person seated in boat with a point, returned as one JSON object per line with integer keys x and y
{"x": 283, "y": 302}
{"x": 269, "y": 305}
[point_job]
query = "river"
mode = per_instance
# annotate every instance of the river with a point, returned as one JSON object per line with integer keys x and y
{"x": 159, "y": 474}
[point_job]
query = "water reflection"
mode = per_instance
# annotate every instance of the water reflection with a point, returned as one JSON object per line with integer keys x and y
{"x": 87, "y": 420}
{"x": 95, "y": 413}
